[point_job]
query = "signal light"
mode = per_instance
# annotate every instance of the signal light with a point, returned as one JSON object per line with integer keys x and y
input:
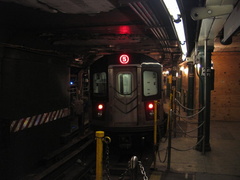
{"x": 124, "y": 59}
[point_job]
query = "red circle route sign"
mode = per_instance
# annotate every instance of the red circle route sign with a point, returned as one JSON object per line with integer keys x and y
{"x": 124, "y": 59}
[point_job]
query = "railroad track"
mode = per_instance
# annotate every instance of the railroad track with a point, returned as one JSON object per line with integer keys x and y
{"x": 73, "y": 161}
{"x": 76, "y": 161}
{"x": 125, "y": 165}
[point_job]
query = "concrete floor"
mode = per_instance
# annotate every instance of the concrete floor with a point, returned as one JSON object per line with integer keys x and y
{"x": 221, "y": 163}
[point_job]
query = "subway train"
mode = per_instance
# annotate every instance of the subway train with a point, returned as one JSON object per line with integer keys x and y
{"x": 123, "y": 88}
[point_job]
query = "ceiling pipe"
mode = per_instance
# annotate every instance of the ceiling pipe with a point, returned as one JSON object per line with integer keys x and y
{"x": 145, "y": 13}
{"x": 147, "y": 21}
{"x": 138, "y": 11}
{"x": 156, "y": 23}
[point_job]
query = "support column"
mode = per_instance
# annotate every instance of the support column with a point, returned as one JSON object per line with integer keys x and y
{"x": 174, "y": 83}
{"x": 204, "y": 98}
{"x": 190, "y": 94}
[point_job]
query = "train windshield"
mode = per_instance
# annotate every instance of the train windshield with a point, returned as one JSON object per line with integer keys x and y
{"x": 124, "y": 83}
{"x": 100, "y": 83}
{"x": 150, "y": 83}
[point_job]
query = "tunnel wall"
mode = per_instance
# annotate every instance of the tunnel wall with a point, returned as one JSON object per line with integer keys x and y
{"x": 34, "y": 108}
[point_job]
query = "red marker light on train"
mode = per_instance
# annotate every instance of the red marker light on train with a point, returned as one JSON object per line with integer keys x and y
{"x": 150, "y": 111}
{"x": 124, "y": 59}
{"x": 100, "y": 107}
{"x": 100, "y": 110}
{"x": 150, "y": 106}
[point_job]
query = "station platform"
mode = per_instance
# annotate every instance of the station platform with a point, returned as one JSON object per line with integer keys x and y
{"x": 221, "y": 163}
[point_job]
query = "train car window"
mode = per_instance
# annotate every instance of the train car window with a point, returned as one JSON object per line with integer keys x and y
{"x": 124, "y": 83}
{"x": 150, "y": 83}
{"x": 100, "y": 83}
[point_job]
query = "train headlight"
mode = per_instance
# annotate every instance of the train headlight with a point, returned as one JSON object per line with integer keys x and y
{"x": 99, "y": 114}
{"x": 151, "y": 113}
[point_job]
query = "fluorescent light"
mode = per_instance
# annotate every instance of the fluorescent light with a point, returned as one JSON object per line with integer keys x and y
{"x": 172, "y": 7}
{"x": 180, "y": 31}
{"x": 184, "y": 56}
{"x": 174, "y": 11}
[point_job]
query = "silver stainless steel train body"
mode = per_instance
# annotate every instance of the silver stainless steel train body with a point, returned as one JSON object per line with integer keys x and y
{"x": 123, "y": 94}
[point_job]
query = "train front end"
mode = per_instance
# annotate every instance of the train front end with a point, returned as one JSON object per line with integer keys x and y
{"x": 123, "y": 90}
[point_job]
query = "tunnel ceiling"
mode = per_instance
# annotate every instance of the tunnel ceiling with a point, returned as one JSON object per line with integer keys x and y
{"x": 87, "y": 29}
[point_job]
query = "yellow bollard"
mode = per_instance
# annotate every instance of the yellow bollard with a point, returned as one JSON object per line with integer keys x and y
{"x": 99, "y": 155}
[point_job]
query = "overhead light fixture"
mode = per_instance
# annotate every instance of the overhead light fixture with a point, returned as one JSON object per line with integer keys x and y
{"x": 175, "y": 14}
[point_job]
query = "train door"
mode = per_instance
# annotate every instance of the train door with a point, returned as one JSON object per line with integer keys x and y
{"x": 123, "y": 93}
